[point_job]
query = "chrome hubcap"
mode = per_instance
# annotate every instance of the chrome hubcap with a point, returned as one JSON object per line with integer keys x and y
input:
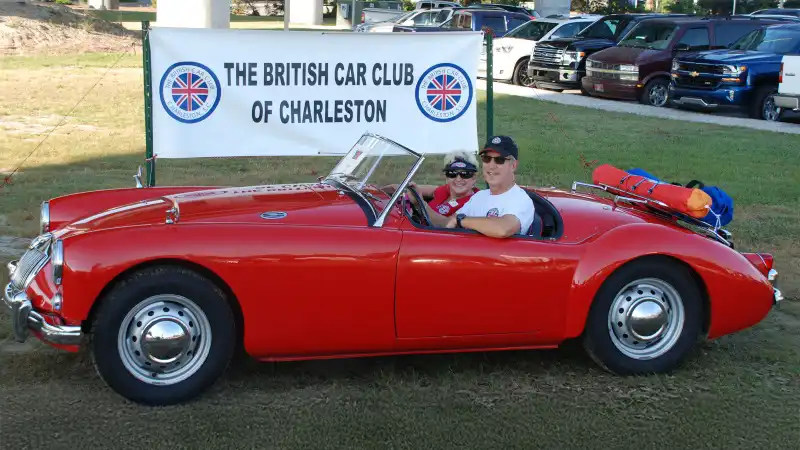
{"x": 658, "y": 95}
{"x": 646, "y": 318}
{"x": 164, "y": 339}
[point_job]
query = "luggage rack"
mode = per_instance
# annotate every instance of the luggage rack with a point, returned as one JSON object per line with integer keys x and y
{"x": 661, "y": 208}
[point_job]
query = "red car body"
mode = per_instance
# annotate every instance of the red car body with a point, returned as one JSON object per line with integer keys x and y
{"x": 320, "y": 282}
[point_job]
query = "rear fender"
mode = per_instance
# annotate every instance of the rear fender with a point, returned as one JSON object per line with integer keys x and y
{"x": 737, "y": 294}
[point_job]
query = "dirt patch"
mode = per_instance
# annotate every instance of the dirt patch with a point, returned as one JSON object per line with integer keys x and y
{"x": 49, "y": 29}
{"x": 41, "y": 125}
{"x": 12, "y": 247}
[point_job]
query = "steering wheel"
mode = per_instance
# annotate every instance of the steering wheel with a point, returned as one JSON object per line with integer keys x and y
{"x": 419, "y": 209}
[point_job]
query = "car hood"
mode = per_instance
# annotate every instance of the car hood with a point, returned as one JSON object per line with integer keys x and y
{"x": 734, "y": 57}
{"x": 626, "y": 55}
{"x": 579, "y": 43}
{"x": 293, "y": 204}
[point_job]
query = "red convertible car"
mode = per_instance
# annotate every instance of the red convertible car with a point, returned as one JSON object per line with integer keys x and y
{"x": 162, "y": 285}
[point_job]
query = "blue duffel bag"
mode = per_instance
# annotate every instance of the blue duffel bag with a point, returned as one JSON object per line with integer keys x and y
{"x": 721, "y": 202}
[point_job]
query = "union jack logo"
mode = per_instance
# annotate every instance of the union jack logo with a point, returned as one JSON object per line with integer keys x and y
{"x": 189, "y": 92}
{"x": 444, "y": 92}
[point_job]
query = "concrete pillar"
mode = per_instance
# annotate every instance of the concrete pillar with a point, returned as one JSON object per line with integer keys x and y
{"x": 306, "y": 12}
{"x": 193, "y": 13}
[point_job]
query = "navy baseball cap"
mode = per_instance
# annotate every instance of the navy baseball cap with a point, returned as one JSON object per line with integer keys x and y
{"x": 460, "y": 164}
{"x": 503, "y": 145}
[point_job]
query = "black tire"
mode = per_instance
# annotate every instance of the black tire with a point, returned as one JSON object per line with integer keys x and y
{"x": 521, "y": 74}
{"x": 598, "y": 340}
{"x": 656, "y": 84}
{"x": 206, "y": 305}
{"x": 759, "y": 104}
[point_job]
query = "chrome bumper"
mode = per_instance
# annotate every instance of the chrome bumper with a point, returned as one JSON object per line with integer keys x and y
{"x": 787, "y": 101}
{"x": 24, "y": 319}
{"x": 777, "y": 296}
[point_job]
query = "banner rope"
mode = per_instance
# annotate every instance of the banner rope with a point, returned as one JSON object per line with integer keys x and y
{"x": 8, "y": 180}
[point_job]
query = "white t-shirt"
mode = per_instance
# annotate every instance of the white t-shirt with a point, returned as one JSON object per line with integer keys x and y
{"x": 514, "y": 201}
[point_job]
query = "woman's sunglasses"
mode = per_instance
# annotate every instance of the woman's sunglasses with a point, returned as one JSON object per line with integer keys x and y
{"x": 464, "y": 175}
{"x": 497, "y": 159}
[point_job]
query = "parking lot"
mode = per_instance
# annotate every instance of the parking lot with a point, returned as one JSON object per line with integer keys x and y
{"x": 789, "y": 123}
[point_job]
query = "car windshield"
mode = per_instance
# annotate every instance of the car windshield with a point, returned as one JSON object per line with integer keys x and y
{"x": 770, "y": 40}
{"x": 533, "y": 30}
{"x": 401, "y": 17}
{"x": 374, "y": 162}
{"x": 604, "y": 29}
{"x": 650, "y": 35}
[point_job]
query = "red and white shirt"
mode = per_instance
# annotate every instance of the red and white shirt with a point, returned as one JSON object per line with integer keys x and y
{"x": 442, "y": 204}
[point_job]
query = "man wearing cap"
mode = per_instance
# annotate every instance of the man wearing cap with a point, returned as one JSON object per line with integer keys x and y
{"x": 505, "y": 208}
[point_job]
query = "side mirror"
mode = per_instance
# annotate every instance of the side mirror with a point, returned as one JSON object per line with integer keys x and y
{"x": 682, "y": 47}
{"x": 138, "y": 177}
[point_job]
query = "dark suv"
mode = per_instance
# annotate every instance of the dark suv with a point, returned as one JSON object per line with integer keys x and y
{"x": 561, "y": 63}
{"x": 638, "y": 68}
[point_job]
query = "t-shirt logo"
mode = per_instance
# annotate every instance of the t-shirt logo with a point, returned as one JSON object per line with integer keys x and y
{"x": 444, "y": 209}
{"x": 493, "y": 213}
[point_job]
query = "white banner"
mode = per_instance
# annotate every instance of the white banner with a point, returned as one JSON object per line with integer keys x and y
{"x": 228, "y": 92}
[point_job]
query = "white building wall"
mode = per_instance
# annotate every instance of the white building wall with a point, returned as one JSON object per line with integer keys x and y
{"x": 193, "y": 13}
{"x": 305, "y": 12}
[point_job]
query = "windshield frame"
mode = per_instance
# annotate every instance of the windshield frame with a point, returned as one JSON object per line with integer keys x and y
{"x": 338, "y": 178}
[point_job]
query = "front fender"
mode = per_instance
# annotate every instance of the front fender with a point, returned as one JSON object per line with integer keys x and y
{"x": 656, "y": 75}
{"x": 738, "y": 295}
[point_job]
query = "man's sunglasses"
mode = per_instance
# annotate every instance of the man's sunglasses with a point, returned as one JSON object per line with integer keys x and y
{"x": 464, "y": 175}
{"x": 497, "y": 159}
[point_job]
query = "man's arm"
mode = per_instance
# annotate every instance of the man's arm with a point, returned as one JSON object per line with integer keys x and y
{"x": 499, "y": 227}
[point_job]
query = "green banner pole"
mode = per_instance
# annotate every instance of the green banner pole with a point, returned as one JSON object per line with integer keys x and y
{"x": 489, "y": 86}
{"x": 148, "y": 105}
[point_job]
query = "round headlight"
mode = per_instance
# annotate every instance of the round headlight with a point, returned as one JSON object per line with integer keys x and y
{"x": 57, "y": 261}
{"x": 44, "y": 218}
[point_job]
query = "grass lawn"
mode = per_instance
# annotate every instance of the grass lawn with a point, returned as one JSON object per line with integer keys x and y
{"x": 741, "y": 391}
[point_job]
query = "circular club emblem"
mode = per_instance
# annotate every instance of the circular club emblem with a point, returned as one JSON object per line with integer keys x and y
{"x": 189, "y": 91}
{"x": 444, "y": 92}
{"x": 444, "y": 209}
{"x": 493, "y": 213}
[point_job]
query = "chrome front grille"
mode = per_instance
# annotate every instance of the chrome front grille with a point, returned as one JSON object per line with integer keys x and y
{"x": 544, "y": 54}
{"x": 31, "y": 261}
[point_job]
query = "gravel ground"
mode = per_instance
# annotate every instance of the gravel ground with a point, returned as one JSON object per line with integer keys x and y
{"x": 565, "y": 98}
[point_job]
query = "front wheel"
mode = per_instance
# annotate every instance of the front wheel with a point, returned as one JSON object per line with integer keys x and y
{"x": 656, "y": 93}
{"x": 763, "y": 106}
{"x": 163, "y": 336}
{"x": 645, "y": 318}
{"x": 520, "y": 76}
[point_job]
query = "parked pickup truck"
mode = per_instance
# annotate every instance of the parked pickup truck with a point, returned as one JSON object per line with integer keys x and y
{"x": 638, "y": 68}
{"x": 789, "y": 83}
{"x": 742, "y": 77}
{"x": 561, "y": 63}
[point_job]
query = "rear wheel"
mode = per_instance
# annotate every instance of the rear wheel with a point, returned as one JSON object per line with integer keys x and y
{"x": 163, "y": 336}
{"x": 645, "y": 318}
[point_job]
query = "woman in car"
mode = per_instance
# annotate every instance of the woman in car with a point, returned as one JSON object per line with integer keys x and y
{"x": 460, "y": 170}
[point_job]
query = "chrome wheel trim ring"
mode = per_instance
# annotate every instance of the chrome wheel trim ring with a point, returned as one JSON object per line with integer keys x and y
{"x": 771, "y": 112}
{"x": 164, "y": 340}
{"x": 646, "y": 318}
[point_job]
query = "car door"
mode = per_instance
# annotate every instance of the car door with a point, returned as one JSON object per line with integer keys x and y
{"x": 461, "y": 283}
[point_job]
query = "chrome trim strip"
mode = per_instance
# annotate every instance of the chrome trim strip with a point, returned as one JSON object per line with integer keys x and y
{"x": 24, "y": 319}
{"x": 695, "y": 101}
{"x": 617, "y": 72}
{"x": 44, "y": 217}
{"x": 787, "y": 101}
